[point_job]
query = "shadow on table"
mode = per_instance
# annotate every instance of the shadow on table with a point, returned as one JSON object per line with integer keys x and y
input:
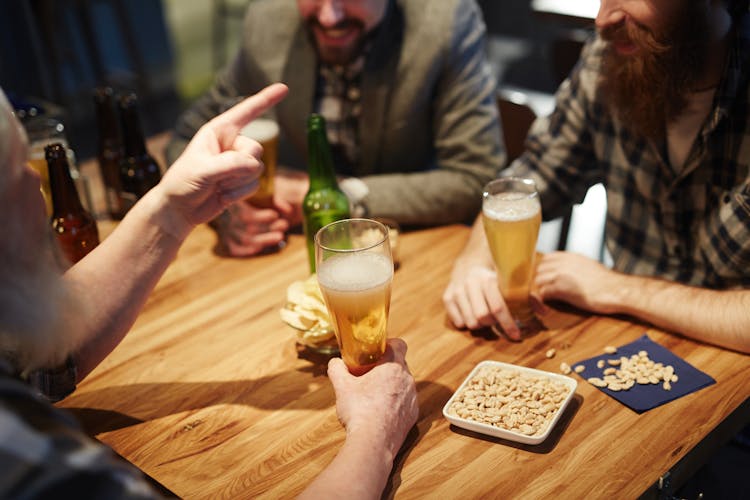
{"x": 431, "y": 397}
{"x": 95, "y": 421}
{"x": 117, "y": 407}
{"x": 547, "y": 445}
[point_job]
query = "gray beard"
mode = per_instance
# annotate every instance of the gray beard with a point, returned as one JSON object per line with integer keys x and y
{"x": 40, "y": 315}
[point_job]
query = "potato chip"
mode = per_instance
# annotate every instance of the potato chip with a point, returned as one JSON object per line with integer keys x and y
{"x": 306, "y": 312}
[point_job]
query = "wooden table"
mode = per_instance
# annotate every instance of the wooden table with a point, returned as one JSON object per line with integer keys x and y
{"x": 209, "y": 395}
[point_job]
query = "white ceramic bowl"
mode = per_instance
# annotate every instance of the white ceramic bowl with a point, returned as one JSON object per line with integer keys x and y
{"x": 569, "y": 383}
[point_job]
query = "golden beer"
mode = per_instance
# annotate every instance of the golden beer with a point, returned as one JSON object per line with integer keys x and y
{"x": 511, "y": 216}
{"x": 40, "y": 166}
{"x": 266, "y": 132}
{"x": 357, "y": 290}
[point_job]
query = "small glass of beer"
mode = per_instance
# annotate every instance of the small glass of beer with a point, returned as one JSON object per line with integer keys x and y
{"x": 512, "y": 214}
{"x": 355, "y": 271}
{"x": 43, "y": 131}
{"x": 266, "y": 132}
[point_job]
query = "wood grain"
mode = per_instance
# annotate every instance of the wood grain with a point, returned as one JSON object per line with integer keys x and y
{"x": 209, "y": 395}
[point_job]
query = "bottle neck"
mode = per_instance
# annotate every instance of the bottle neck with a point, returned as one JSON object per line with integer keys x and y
{"x": 106, "y": 116}
{"x": 65, "y": 198}
{"x": 320, "y": 162}
{"x": 134, "y": 143}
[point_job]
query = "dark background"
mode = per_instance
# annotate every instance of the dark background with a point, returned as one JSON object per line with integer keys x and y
{"x": 54, "y": 52}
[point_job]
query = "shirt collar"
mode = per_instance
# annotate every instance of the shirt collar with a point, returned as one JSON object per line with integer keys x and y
{"x": 6, "y": 368}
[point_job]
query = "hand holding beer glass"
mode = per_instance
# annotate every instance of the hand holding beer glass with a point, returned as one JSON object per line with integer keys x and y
{"x": 355, "y": 270}
{"x": 512, "y": 214}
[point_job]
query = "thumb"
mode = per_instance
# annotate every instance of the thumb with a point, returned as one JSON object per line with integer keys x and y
{"x": 338, "y": 373}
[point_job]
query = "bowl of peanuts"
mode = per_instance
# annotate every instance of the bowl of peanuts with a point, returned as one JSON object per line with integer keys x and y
{"x": 510, "y": 402}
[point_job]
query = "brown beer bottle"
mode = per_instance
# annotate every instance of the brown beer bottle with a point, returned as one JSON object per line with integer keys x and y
{"x": 109, "y": 151}
{"x": 74, "y": 227}
{"x": 139, "y": 171}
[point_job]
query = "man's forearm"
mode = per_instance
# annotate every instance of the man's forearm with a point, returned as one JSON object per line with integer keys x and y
{"x": 720, "y": 317}
{"x": 477, "y": 250}
{"x": 438, "y": 196}
{"x": 115, "y": 280}
{"x": 359, "y": 470}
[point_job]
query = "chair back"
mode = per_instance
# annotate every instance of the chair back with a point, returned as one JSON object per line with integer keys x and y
{"x": 516, "y": 117}
{"x": 565, "y": 54}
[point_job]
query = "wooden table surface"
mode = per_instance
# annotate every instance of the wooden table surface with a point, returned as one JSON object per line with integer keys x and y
{"x": 210, "y": 395}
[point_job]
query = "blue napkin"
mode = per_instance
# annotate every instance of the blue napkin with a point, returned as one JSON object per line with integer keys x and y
{"x": 641, "y": 398}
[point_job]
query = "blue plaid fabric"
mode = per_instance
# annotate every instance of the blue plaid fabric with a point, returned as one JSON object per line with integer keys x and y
{"x": 690, "y": 225}
{"x": 55, "y": 383}
{"x": 45, "y": 454}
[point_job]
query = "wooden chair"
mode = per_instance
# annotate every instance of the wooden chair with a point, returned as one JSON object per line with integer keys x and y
{"x": 565, "y": 52}
{"x": 516, "y": 117}
{"x": 581, "y": 230}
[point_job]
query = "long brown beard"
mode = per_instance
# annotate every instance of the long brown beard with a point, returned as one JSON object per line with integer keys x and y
{"x": 649, "y": 89}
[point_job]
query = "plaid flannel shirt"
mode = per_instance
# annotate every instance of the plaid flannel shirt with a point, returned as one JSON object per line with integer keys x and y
{"x": 691, "y": 226}
{"x": 45, "y": 454}
{"x": 54, "y": 383}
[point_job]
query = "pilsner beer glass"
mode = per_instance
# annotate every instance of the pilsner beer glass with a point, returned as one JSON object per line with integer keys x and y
{"x": 355, "y": 270}
{"x": 266, "y": 132}
{"x": 512, "y": 214}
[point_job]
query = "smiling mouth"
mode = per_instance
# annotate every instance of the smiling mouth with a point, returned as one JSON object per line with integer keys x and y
{"x": 624, "y": 47}
{"x": 337, "y": 37}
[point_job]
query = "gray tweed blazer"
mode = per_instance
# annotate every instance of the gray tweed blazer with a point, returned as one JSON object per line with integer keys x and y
{"x": 429, "y": 128}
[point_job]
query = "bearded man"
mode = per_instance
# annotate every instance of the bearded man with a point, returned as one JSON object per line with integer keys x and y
{"x": 657, "y": 110}
{"x": 408, "y": 96}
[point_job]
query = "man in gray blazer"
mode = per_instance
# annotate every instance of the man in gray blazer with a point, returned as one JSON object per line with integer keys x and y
{"x": 407, "y": 93}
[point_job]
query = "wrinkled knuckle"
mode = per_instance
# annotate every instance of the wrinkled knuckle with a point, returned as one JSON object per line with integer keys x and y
{"x": 496, "y": 309}
{"x": 485, "y": 321}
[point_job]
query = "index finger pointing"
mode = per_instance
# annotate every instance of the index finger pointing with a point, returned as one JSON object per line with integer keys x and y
{"x": 245, "y": 111}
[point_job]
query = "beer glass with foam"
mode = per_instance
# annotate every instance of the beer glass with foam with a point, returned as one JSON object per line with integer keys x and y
{"x": 512, "y": 214}
{"x": 355, "y": 270}
{"x": 266, "y": 132}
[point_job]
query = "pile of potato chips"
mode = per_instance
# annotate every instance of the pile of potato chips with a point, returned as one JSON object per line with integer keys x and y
{"x": 306, "y": 312}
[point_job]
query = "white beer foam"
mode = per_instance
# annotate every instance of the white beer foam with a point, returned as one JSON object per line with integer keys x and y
{"x": 511, "y": 206}
{"x": 355, "y": 272}
{"x": 261, "y": 129}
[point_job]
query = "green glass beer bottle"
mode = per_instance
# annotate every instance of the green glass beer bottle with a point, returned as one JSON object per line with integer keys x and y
{"x": 324, "y": 202}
